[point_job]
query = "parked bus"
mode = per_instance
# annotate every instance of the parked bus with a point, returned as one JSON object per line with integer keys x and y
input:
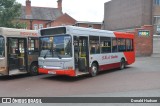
{"x": 73, "y": 51}
{"x": 19, "y": 49}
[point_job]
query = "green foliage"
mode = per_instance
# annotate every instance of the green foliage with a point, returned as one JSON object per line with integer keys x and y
{"x": 9, "y": 11}
{"x": 18, "y": 24}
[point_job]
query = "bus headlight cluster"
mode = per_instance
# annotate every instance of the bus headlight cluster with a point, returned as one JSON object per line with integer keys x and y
{"x": 2, "y": 68}
{"x": 40, "y": 66}
{"x": 69, "y": 68}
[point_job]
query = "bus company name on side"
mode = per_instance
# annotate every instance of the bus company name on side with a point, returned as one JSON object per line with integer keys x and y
{"x": 109, "y": 57}
{"x": 28, "y": 34}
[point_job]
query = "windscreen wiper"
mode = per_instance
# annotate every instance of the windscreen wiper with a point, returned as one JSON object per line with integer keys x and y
{"x": 46, "y": 54}
{"x": 58, "y": 55}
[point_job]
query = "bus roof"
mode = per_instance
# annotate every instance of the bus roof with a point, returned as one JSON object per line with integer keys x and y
{"x": 17, "y": 32}
{"x": 74, "y": 30}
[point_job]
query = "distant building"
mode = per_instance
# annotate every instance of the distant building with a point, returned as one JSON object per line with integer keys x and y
{"x": 130, "y": 14}
{"x": 96, "y": 25}
{"x": 42, "y": 17}
{"x": 64, "y": 19}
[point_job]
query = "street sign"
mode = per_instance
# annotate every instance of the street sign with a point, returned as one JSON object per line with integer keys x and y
{"x": 144, "y": 33}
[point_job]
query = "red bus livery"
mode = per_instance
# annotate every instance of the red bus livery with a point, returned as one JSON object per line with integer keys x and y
{"x": 73, "y": 51}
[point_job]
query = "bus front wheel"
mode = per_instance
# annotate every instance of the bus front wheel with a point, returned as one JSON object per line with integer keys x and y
{"x": 122, "y": 64}
{"x": 34, "y": 69}
{"x": 94, "y": 70}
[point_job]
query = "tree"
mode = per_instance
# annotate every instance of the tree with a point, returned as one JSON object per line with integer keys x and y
{"x": 10, "y": 11}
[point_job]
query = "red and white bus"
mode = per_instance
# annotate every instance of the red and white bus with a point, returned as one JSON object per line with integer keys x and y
{"x": 73, "y": 51}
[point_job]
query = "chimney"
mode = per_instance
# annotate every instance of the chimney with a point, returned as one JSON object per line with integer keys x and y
{"x": 28, "y": 9}
{"x": 59, "y": 5}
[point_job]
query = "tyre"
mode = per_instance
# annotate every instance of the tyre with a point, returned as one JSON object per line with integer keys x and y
{"x": 94, "y": 70}
{"x": 122, "y": 64}
{"x": 34, "y": 69}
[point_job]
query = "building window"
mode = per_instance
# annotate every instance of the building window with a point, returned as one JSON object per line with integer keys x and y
{"x": 40, "y": 26}
{"x": 156, "y": 20}
{"x": 35, "y": 27}
{"x": 158, "y": 29}
{"x": 157, "y": 2}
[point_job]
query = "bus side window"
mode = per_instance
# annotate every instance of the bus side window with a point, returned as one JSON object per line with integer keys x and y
{"x": 2, "y": 46}
{"x": 129, "y": 45}
{"x": 94, "y": 45}
{"x": 121, "y": 45}
{"x": 105, "y": 43}
{"x": 33, "y": 45}
{"x": 114, "y": 45}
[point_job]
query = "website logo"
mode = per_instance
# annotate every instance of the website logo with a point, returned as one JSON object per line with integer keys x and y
{"x": 6, "y": 100}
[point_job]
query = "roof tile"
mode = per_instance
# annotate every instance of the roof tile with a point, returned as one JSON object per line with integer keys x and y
{"x": 42, "y": 13}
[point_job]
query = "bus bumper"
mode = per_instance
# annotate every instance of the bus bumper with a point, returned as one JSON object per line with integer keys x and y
{"x": 57, "y": 72}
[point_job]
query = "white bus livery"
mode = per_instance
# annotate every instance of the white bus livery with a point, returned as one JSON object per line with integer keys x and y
{"x": 73, "y": 51}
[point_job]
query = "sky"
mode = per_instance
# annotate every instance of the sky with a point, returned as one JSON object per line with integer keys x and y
{"x": 81, "y": 10}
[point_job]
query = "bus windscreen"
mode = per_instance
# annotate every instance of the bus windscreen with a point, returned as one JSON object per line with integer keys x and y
{"x": 56, "y": 46}
{"x": 53, "y": 31}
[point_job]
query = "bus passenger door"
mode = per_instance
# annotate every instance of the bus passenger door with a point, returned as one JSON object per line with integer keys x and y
{"x": 17, "y": 62}
{"x": 81, "y": 53}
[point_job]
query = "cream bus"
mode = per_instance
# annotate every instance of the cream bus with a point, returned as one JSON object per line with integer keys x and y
{"x": 18, "y": 51}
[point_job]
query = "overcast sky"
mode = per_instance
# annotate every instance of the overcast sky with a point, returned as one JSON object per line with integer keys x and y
{"x": 81, "y": 10}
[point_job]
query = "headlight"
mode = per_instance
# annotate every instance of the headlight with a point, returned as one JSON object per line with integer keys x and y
{"x": 40, "y": 66}
{"x": 68, "y": 68}
{"x": 2, "y": 68}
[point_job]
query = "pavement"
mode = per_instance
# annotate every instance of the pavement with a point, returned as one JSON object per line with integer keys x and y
{"x": 141, "y": 79}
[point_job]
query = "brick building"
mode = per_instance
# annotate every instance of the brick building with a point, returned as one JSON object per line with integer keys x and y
{"x": 126, "y": 14}
{"x": 130, "y": 14}
{"x": 156, "y": 16}
{"x": 42, "y": 17}
{"x": 96, "y": 25}
{"x": 136, "y": 16}
{"x": 64, "y": 19}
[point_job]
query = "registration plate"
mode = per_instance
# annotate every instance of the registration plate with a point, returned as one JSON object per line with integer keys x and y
{"x": 51, "y": 72}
